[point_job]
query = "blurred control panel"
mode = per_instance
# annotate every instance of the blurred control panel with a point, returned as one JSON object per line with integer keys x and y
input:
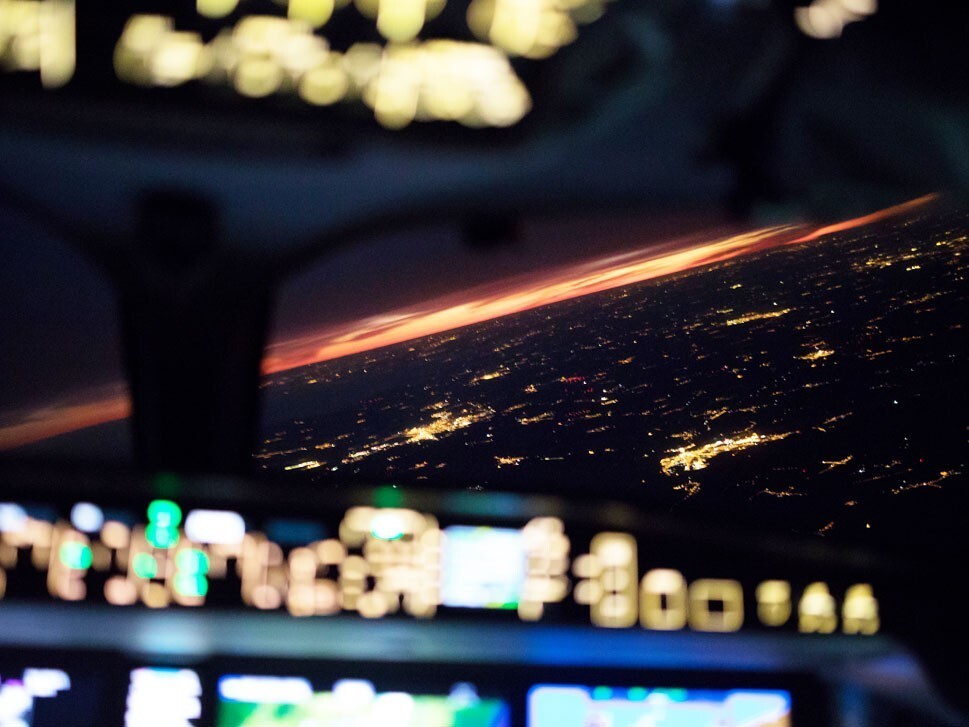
{"x": 381, "y": 561}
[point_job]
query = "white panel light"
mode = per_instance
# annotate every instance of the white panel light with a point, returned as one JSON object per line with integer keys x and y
{"x": 222, "y": 527}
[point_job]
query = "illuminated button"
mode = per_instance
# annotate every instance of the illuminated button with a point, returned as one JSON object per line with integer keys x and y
{"x": 76, "y": 555}
{"x": 144, "y": 566}
{"x": 163, "y": 697}
{"x": 387, "y": 526}
{"x": 773, "y": 602}
{"x": 728, "y": 593}
{"x": 120, "y": 591}
{"x": 164, "y": 514}
{"x": 13, "y": 518}
{"x": 663, "y": 600}
{"x": 353, "y": 695}
{"x": 816, "y": 610}
{"x": 161, "y": 537}
{"x": 860, "y": 611}
{"x": 602, "y": 693}
{"x": 215, "y": 8}
{"x": 192, "y": 561}
{"x": 188, "y": 584}
{"x": 222, "y": 527}
{"x": 86, "y": 517}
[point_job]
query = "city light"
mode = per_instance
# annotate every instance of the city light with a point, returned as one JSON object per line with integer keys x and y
{"x": 698, "y": 457}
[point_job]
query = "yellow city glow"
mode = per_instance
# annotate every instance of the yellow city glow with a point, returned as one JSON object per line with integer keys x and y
{"x": 698, "y": 457}
{"x": 817, "y": 354}
{"x": 401, "y": 20}
{"x": 751, "y": 317}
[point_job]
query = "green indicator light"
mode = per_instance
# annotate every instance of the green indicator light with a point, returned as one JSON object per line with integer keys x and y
{"x": 675, "y": 695}
{"x": 191, "y": 585}
{"x": 637, "y": 694}
{"x": 164, "y": 514}
{"x": 387, "y": 526}
{"x": 161, "y": 537}
{"x": 388, "y": 496}
{"x": 145, "y": 566}
{"x": 76, "y": 555}
{"x": 602, "y": 693}
{"x": 192, "y": 562}
{"x": 503, "y": 606}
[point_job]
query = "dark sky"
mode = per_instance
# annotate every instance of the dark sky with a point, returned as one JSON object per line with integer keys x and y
{"x": 58, "y": 319}
{"x": 410, "y": 266}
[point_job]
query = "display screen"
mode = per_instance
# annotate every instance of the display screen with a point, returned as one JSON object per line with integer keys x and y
{"x": 253, "y": 701}
{"x": 580, "y": 706}
{"x": 36, "y": 696}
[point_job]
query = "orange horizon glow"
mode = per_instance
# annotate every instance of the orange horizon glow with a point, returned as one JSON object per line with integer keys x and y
{"x": 464, "y": 308}
{"x": 55, "y": 419}
{"x": 491, "y": 301}
{"x": 866, "y": 219}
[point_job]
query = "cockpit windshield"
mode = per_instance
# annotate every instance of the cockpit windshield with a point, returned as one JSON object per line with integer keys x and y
{"x": 803, "y": 376}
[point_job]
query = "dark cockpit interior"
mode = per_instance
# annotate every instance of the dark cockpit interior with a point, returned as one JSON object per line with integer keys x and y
{"x": 432, "y": 363}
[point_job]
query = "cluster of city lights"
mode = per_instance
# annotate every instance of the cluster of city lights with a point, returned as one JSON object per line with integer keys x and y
{"x": 386, "y": 560}
{"x": 697, "y": 457}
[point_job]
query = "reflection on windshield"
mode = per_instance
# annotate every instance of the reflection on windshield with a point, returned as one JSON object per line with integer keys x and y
{"x": 816, "y": 384}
